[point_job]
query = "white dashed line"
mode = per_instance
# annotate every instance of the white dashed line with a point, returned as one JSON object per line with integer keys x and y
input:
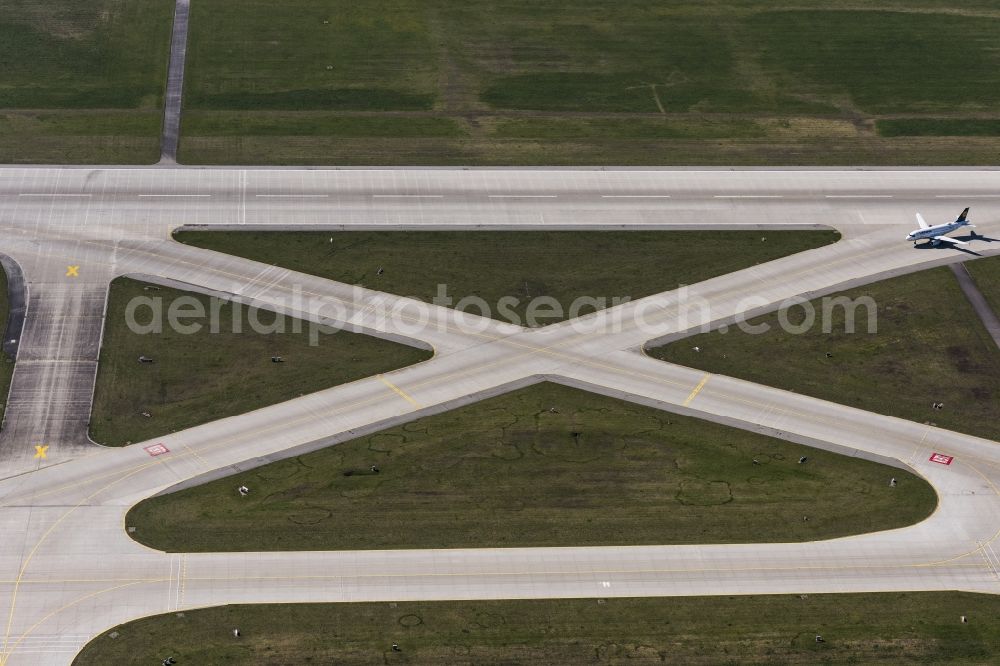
{"x": 635, "y": 196}
{"x": 407, "y": 196}
{"x": 858, "y": 196}
{"x": 967, "y": 196}
{"x": 173, "y": 195}
{"x": 523, "y": 196}
{"x": 292, "y": 196}
{"x": 40, "y": 194}
{"x": 749, "y": 196}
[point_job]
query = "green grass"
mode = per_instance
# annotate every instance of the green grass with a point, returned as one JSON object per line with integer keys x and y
{"x": 925, "y": 350}
{"x": 631, "y": 83}
{"x": 891, "y": 628}
{"x": 6, "y": 363}
{"x": 986, "y": 274}
{"x": 509, "y": 472}
{"x": 82, "y": 81}
{"x": 520, "y": 265}
{"x": 205, "y": 376}
{"x": 939, "y": 127}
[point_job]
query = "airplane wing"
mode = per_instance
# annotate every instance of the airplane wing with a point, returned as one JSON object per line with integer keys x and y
{"x": 921, "y": 221}
{"x": 945, "y": 239}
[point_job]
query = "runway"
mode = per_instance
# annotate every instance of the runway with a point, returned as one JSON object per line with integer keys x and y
{"x": 68, "y": 570}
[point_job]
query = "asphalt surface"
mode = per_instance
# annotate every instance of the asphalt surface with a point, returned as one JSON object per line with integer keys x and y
{"x": 175, "y": 84}
{"x": 68, "y": 569}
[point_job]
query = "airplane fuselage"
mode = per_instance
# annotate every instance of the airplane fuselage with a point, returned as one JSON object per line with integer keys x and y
{"x": 931, "y": 232}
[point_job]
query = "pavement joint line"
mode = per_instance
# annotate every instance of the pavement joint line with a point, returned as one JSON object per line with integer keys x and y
{"x": 697, "y": 390}
{"x": 400, "y": 392}
{"x": 45, "y": 535}
{"x": 31, "y": 629}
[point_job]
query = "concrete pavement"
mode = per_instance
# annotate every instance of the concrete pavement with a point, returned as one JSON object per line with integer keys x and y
{"x": 68, "y": 570}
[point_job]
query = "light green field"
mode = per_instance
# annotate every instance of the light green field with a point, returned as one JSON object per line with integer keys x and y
{"x": 82, "y": 81}
{"x": 204, "y": 376}
{"x": 716, "y": 82}
{"x": 912, "y": 628}
{"x": 543, "y": 466}
{"x": 924, "y": 351}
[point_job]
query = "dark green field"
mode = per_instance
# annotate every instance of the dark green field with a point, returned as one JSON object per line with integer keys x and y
{"x": 537, "y": 82}
{"x": 205, "y": 376}
{"x": 543, "y": 466}
{"x": 6, "y": 363}
{"x": 521, "y": 265}
{"x": 910, "y": 628}
{"x": 82, "y": 81}
{"x": 986, "y": 274}
{"x": 925, "y": 350}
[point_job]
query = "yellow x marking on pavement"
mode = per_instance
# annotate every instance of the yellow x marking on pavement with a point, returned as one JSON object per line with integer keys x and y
{"x": 72, "y": 271}
{"x": 41, "y": 451}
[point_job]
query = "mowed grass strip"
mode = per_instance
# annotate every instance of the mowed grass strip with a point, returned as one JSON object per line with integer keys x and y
{"x": 924, "y": 350}
{"x": 986, "y": 274}
{"x": 6, "y": 363}
{"x": 543, "y": 466}
{"x": 939, "y": 127}
{"x": 82, "y": 81}
{"x": 519, "y": 266}
{"x": 202, "y": 376}
{"x": 536, "y": 83}
{"x": 890, "y": 628}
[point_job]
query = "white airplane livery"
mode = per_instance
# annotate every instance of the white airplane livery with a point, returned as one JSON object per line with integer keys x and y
{"x": 936, "y": 234}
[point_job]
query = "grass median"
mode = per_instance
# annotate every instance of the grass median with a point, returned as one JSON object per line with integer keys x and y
{"x": 543, "y": 466}
{"x": 202, "y": 376}
{"x": 891, "y": 628}
{"x": 6, "y": 363}
{"x": 82, "y": 82}
{"x": 925, "y": 350}
{"x": 536, "y": 82}
{"x": 986, "y": 274}
{"x": 523, "y": 267}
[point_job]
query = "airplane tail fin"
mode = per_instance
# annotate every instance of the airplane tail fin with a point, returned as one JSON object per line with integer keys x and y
{"x": 963, "y": 216}
{"x": 921, "y": 221}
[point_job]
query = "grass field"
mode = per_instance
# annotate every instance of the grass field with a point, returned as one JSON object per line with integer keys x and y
{"x": 925, "y": 351}
{"x": 986, "y": 274}
{"x": 894, "y": 628}
{"x": 6, "y": 363}
{"x": 522, "y": 265}
{"x": 511, "y": 472}
{"x": 716, "y": 82}
{"x": 82, "y": 81}
{"x": 203, "y": 376}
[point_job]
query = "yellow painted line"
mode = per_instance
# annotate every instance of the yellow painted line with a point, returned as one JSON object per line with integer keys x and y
{"x": 400, "y": 392}
{"x": 697, "y": 390}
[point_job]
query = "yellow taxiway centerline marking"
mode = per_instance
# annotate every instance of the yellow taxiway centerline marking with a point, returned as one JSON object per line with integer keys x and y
{"x": 400, "y": 392}
{"x": 697, "y": 390}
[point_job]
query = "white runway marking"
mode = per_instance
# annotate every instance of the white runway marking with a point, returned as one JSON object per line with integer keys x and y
{"x": 141, "y": 196}
{"x": 635, "y": 196}
{"x": 523, "y": 196}
{"x": 292, "y": 196}
{"x": 42, "y": 194}
{"x": 749, "y": 196}
{"x": 859, "y": 196}
{"x": 407, "y": 196}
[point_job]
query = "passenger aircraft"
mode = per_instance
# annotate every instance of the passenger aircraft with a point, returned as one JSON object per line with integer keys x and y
{"x": 936, "y": 234}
